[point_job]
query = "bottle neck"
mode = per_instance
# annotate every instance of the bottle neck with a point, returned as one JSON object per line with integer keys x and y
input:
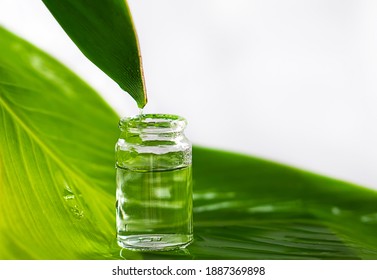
{"x": 153, "y": 142}
{"x": 152, "y": 128}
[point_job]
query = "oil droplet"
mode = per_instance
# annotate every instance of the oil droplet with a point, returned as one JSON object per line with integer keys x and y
{"x": 79, "y": 214}
{"x": 140, "y": 116}
{"x": 72, "y": 202}
{"x": 68, "y": 193}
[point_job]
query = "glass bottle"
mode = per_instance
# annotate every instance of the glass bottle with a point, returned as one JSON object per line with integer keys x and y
{"x": 154, "y": 183}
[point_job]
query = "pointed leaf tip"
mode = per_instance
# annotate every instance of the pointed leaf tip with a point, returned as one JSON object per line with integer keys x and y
{"x": 104, "y": 32}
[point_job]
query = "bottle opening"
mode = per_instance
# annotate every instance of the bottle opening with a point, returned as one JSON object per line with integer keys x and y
{"x": 150, "y": 123}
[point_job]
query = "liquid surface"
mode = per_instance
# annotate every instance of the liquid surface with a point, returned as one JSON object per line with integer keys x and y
{"x": 154, "y": 209}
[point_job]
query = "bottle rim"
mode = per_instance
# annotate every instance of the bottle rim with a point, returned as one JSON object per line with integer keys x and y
{"x": 153, "y": 123}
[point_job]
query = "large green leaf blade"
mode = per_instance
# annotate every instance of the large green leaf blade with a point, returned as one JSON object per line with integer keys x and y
{"x": 57, "y": 187}
{"x": 103, "y": 30}
{"x": 56, "y": 147}
{"x": 248, "y": 208}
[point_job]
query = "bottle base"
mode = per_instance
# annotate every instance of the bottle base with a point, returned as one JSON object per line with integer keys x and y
{"x": 155, "y": 242}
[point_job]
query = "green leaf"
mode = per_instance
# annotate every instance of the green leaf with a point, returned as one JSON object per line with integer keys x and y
{"x": 57, "y": 183}
{"x": 103, "y": 30}
{"x": 56, "y": 163}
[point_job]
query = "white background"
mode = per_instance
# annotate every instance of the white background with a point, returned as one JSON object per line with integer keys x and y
{"x": 293, "y": 81}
